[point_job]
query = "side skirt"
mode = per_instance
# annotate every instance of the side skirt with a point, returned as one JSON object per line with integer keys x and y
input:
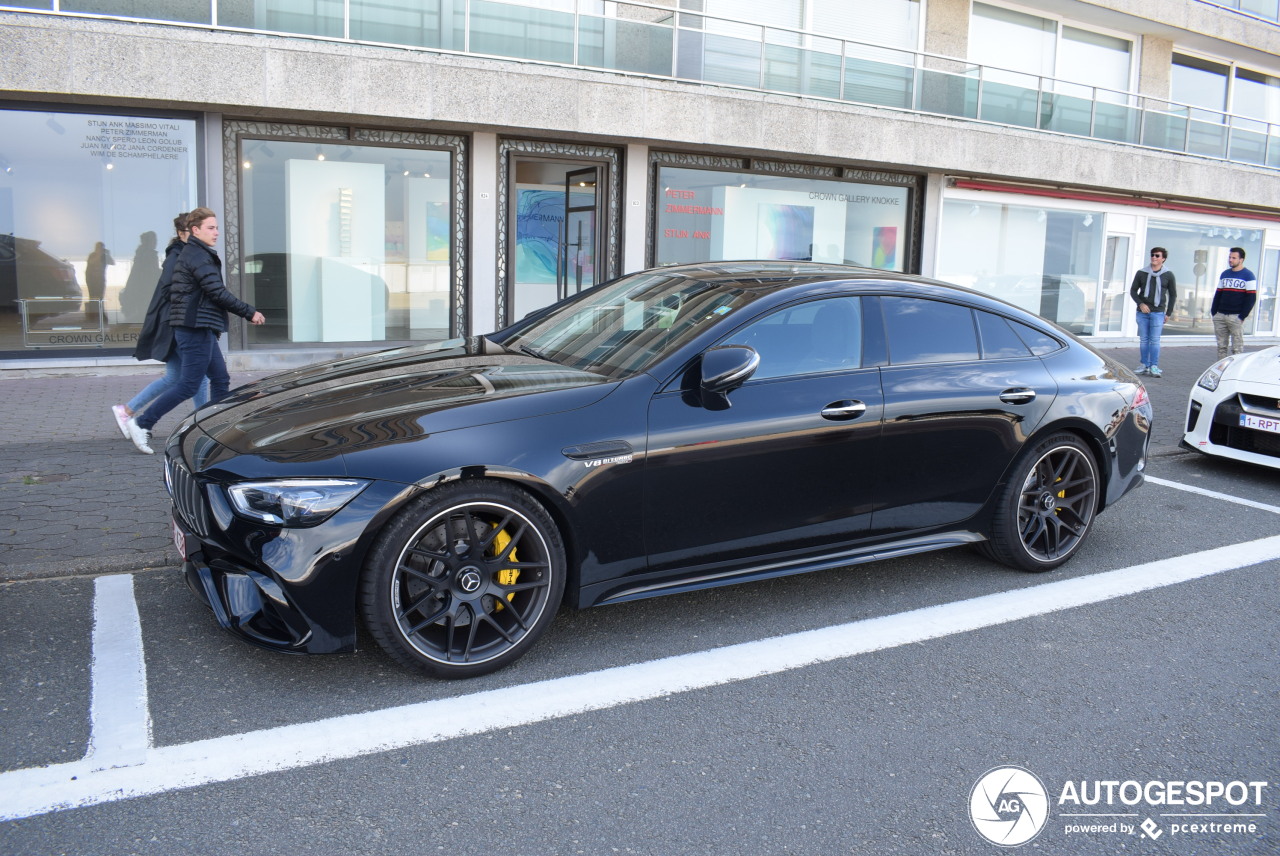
{"x": 639, "y": 591}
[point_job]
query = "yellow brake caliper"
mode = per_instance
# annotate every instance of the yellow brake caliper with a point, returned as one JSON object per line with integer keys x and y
{"x": 506, "y": 576}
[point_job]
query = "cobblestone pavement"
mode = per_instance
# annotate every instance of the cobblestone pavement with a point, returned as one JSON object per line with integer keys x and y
{"x": 77, "y": 498}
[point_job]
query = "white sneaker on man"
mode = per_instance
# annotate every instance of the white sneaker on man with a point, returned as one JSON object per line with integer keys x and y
{"x": 140, "y": 436}
{"x": 122, "y": 418}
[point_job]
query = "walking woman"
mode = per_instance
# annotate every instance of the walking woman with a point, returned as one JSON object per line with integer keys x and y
{"x": 198, "y": 307}
{"x": 155, "y": 342}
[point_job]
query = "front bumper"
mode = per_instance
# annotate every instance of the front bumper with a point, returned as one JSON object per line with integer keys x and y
{"x": 254, "y": 607}
{"x": 287, "y": 589}
{"x": 1214, "y": 425}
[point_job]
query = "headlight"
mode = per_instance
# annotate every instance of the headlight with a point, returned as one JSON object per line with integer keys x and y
{"x": 293, "y": 502}
{"x": 1213, "y": 375}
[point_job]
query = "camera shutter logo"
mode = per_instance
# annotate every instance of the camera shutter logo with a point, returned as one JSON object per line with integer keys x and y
{"x": 1008, "y": 806}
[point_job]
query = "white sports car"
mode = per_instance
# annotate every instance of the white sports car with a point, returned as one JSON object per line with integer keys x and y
{"x": 1234, "y": 409}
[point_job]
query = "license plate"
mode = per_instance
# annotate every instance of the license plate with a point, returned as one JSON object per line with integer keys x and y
{"x": 1260, "y": 423}
{"x": 181, "y": 540}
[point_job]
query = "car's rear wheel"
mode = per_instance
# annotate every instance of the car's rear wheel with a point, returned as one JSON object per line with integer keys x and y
{"x": 1047, "y": 507}
{"x": 464, "y": 580}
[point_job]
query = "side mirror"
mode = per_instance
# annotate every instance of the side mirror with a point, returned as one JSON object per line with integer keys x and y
{"x": 723, "y": 370}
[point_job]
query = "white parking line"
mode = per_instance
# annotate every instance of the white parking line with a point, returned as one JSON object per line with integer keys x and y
{"x": 120, "y": 722}
{"x": 24, "y": 793}
{"x": 1225, "y": 497}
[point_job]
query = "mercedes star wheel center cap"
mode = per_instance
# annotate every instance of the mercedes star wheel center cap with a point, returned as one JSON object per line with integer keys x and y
{"x": 469, "y": 580}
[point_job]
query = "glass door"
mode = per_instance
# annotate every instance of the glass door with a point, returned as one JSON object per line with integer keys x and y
{"x": 554, "y": 243}
{"x": 1262, "y": 321}
{"x": 579, "y": 237}
{"x": 1116, "y": 270}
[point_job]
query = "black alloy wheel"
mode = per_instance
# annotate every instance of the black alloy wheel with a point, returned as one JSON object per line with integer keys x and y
{"x": 464, "y": 580}
{"x": 1047, "y": 507}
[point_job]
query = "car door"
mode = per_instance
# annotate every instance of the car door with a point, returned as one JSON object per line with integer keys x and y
{"x": 790, "y": 467}
{"x": 962, "y": 392}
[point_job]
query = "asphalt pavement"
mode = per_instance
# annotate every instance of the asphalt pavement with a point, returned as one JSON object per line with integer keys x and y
{"x": 77, "y": 498}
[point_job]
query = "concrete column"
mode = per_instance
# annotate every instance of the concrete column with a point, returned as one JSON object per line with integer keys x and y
{"x": 946, "y": 33}
{"x": 482, "y": 228}
{"x": 210, "y": 194}
{"x": 946, "y": 28}
{"x": 635, "y": 208}
{"x": 934, "y": 185}
{"x": 1155, "y": 69}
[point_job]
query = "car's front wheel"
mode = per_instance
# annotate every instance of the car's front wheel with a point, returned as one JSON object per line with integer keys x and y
{"x": 1047, "y": 507}
{"x": 464, "y": 580}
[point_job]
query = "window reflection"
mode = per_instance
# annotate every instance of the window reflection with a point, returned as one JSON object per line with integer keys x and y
{"x": 86, "y": 205}
{"x": 346, "y": 243}
{"x": 1047, "y": 261}
{"x": 1197, "y": 257}
{"x": 714, "y": 216}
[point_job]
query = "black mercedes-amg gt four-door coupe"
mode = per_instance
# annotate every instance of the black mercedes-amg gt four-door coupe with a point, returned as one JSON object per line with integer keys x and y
{"x": 674, "y": 429}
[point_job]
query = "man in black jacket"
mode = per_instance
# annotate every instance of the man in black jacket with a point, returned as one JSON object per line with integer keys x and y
{"x": 1155, "y": 291}
{"x": 198, "y": 307}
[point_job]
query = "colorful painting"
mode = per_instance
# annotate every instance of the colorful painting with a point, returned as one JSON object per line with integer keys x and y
{"x": 539, "y": 215}
{"x": 785, "y": 232}
{"x": 884, "y": 247}
{"x": 437, "y": 238}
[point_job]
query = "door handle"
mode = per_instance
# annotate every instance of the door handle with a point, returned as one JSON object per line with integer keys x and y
{"x": 839, "y": 410}
{"x": 1018, "y": 396}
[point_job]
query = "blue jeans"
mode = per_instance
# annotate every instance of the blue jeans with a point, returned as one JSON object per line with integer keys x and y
{"x": 172, "y": 371}
{"x": 200, "y": 358}
{"x": 1150, "y": 326}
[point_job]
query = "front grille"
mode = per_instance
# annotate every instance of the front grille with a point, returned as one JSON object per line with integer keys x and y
{"x": 1260, "y": 404}
{"x": 1226, "y": 431}
{"x": 187, "y": 498}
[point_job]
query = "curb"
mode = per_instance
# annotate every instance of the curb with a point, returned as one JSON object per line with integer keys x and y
{"x": 151, "y": 561}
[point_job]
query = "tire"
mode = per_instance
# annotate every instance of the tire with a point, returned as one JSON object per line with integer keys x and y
{"x": 1047, "y": 507}
{"x": 464, "y": 580}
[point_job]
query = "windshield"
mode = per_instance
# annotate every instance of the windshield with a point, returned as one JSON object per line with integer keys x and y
{"x": 621, "y": 328}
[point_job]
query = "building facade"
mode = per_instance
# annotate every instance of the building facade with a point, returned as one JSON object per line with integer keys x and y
{"x": 394, "y": 171}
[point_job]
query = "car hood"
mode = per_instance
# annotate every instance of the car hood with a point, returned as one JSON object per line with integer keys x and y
{"x": 1260, "y": 367}
{"x": 392, "y": 396}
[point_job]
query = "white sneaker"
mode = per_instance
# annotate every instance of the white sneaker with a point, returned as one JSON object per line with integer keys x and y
{"x": 122, "y": 418}
{"x": 140, "y": 436}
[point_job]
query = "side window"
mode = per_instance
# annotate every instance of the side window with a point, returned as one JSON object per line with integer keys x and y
{"x": 928, "y": 331}
{"x": 819, "y": 336}
{"x": 998, "y": 338}
{"x": 1039, "y": 343}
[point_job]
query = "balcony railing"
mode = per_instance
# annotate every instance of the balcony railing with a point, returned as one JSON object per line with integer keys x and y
{"x": 1268, "y": 10}
{"x": 660, "y": 41}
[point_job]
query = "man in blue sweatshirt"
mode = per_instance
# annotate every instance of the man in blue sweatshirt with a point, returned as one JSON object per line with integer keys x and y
{"x": 1232, "y": 303}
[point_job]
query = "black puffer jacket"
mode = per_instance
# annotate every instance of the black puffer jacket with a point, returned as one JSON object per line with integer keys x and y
{"x": 156, "y": 338}
{"x": 197, "y": 297}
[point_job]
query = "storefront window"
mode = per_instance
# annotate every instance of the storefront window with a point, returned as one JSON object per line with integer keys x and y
{"x": 705, "y": 215}
{"x": 1198, "y": 256}
{"x": 343, "y": 242}
{"x": 87, "y": 203}
{"x": 1263, "y": 319}
{"x": 1045, "y": 260}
